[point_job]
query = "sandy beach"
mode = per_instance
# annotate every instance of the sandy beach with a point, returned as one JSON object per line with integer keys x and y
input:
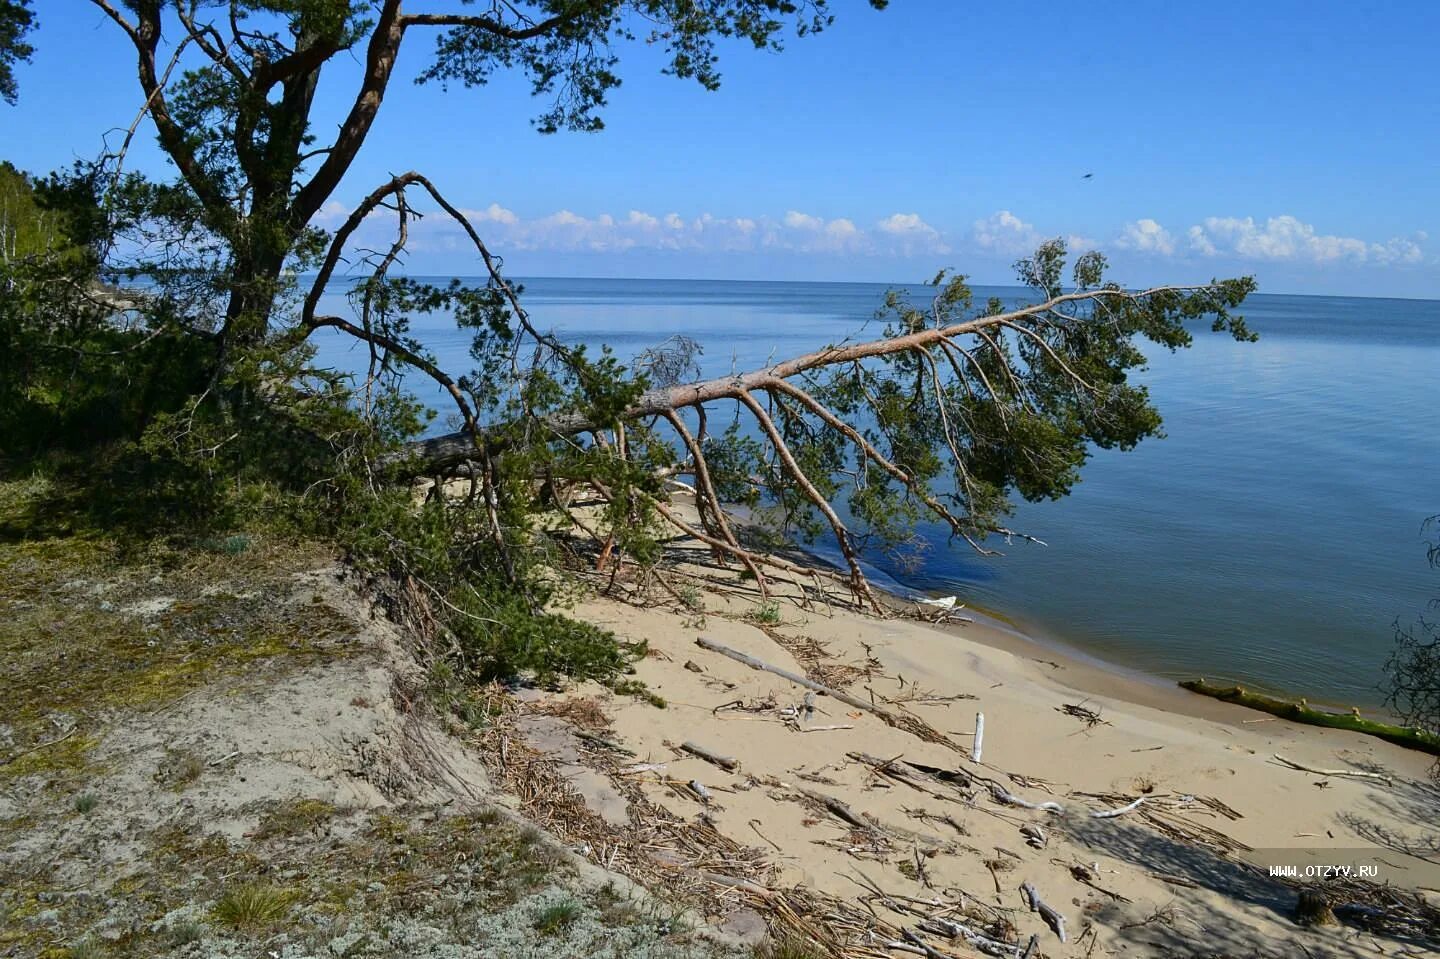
{"x": 888, "y": 808}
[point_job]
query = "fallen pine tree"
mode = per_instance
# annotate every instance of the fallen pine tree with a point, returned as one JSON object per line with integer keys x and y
{"x": 1300, "y": 711}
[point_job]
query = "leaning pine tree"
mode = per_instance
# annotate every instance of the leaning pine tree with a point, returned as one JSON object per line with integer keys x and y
{"x": 953, "y": 409}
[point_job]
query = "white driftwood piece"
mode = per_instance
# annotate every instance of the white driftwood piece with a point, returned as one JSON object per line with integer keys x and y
{"x": 1353, "y": 773}
{"x": 973, "y": 938}
{"x": 1049, "y": 913}
{"x": 1112, "y": 813}
{"x": 1010, "y": 799}
{"x": 979, "y": 748}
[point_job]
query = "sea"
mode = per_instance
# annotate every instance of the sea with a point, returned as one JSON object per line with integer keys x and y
{"x": 1274, "y": 536}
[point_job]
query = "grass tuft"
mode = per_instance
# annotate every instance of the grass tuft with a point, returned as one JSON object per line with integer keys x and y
{"x": 767, "y": 613}
{"x": 556, "y": 917}
{"x": 253, "y": 905}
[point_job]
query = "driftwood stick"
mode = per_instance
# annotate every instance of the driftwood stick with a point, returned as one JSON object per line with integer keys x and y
{"x": 839, "y": 808}
{"x": 1354, "y": 773}
{"x": 1049, "y": 913}
{"x": 924, "y": 948}
{"x": 976, "y": 940}
{"x": 602, "y": 741}
{"x": 744, "y": 885}
{"x": 894, "y": 769}
{"x": 1030, "y": 947}
{"x": 889, "y": 718}
{"x": 698, "y": 788}
{"x": 1003, "y": 795}
{"x": 1112, "y": 813}
{"x": 724, "y": 762}
{"x": 978, "y": 749}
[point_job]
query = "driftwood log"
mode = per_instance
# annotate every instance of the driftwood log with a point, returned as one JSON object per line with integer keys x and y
{"x": 1049, "y": 913}
{"x": 1303, "y": 712}
{"x": 724, "y": 762}
{"x": 907, "y": 723}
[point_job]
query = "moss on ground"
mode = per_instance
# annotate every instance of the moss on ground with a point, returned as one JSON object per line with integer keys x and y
{"x": 92, "y": 632}
{"x": 395, "y": 883}
{"x": 89, "y": 629}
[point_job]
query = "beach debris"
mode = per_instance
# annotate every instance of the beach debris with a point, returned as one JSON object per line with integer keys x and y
{"x": 910, "y": 724}
{"x": 602, "y": 742}
{"x": 1352, "y": 773}
{"x": 1313, "y": 909}
{"x": 698, "y": 788}
{"x": 1049, "y": 913}
{"x": 894, "y": 769}
{"x": 693, "y": 666}
{"x": 768, "y": 704}
{"x": 755, "y": 827}
{"x": 724, "y": 762}
{"x": 978, "y": 749}
{"x": 837, "y": 808}
{"x": 1090, "y": 717}
{"x": 1086, "y": 875}
{"x": 1122, "y": 810}
{"x": 1302, "y": 712}
{"x": 945, "y": 609}
{"x": 1003, "y": 795}
{"x": 913, "y": 693}
{"x": 1034, "y": 836}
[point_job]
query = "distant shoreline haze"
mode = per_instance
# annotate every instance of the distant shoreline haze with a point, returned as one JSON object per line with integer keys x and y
{"x": 1273, "y": 536}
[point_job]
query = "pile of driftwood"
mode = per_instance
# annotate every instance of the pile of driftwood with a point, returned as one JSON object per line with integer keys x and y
{"x": 690, "y": 858}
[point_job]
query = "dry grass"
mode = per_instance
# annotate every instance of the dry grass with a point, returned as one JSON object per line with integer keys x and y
{"x": 584, "y": 712}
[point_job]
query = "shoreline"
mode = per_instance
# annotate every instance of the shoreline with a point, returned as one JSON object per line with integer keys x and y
{"x": 1095, "y": 675}
{"x": 1151, "y": 801}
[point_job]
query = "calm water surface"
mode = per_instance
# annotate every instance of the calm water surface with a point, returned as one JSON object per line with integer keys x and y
{"x": 1273, "y": 537}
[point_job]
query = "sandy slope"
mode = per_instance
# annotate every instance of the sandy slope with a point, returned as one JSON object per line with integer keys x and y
{"x": 1206, "y": 901}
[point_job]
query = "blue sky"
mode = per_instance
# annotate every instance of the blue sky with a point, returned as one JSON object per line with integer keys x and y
{"x": 1297, "y": 141}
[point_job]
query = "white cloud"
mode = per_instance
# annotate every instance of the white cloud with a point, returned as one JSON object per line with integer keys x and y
{"x": 1004, "y": 232}
{"x": 494, "y": 213}
{"x": 332, "y": 214}
{"x": 911, "y": 234}
{"x": 1146, "y": 236}
{"x": 1200, "y": 242}
{"x": 904, "y": 223}
{"x": 903, "y": 234}
{"x": 1286, "y": 238}
{"x": 796, "y": 220}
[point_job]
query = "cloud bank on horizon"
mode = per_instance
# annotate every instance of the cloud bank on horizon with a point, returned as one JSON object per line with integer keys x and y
{"x": 901, "y": 236}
